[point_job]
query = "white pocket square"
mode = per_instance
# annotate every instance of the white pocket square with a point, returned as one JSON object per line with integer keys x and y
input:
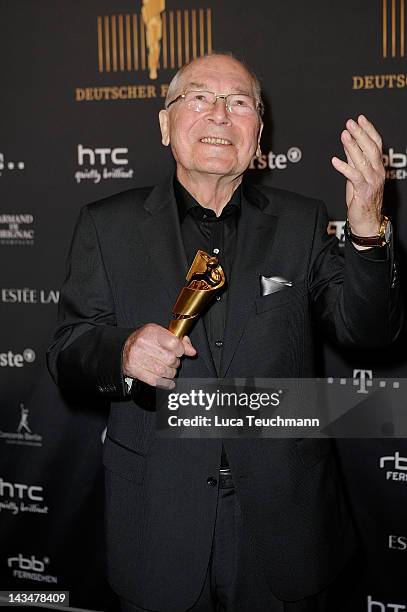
{"x": 271, "y": 284}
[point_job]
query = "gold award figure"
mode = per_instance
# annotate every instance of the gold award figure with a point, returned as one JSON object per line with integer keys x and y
{"x": 205, "y": 277}
{"x": 151, "y": 12}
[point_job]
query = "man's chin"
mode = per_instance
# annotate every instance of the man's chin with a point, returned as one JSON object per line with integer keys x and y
{"x": 217, "y": 166}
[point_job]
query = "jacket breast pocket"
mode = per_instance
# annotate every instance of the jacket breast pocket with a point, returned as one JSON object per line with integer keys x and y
{"x": 289, "y": 296}
{"x": 124, "y": 462}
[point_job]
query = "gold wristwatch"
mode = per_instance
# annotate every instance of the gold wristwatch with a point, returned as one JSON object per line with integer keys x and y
{"x": 381, "y": 239}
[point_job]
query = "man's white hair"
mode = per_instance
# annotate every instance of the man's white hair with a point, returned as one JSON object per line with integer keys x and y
{"x": 174, "y": 86}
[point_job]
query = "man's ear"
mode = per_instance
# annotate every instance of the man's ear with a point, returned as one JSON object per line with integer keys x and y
{"x": 258, "y": 151}
{"x": 164, "y": 120}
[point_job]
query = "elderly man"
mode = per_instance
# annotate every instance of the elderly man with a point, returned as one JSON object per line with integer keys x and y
{"x": 272, "y": 530}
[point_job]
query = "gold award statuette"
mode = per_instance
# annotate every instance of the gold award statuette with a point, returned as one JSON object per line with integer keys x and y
{"x": 151, "y": 12}
{"x": 205, "y": 277}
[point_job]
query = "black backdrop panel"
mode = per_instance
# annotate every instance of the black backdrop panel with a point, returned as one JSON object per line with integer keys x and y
{"x": 78, "y": 122}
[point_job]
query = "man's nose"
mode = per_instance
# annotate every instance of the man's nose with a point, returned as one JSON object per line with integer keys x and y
{"x": 218, "y": 112}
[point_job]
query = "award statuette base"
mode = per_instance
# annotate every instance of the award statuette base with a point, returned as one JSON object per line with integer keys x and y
{"x": 205, "y": 278}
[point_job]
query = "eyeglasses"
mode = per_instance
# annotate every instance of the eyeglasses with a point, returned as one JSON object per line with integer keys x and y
{"x": 236, "y": 104}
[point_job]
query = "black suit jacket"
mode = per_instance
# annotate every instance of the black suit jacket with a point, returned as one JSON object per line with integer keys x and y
{"x": 125, "y": 268}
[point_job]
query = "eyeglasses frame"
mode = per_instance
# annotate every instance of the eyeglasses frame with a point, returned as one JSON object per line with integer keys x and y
{"x": 259, "y": 104}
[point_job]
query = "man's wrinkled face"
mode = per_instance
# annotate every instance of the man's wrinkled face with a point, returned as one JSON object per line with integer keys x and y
{"x": 214, "y": 141}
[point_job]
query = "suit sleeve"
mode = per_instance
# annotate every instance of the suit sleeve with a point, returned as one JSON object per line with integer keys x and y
{"x": 355, "y": 297}
{"x": 85, "y": 354}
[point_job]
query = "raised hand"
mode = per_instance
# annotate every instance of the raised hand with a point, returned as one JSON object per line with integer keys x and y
{"x": 365, "y": 175}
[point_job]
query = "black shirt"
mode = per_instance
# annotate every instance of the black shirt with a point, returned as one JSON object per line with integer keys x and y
{"x": 202, "y": 229}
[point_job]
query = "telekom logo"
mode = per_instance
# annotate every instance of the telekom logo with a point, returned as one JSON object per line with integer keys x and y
{"x": 362, "y": 376}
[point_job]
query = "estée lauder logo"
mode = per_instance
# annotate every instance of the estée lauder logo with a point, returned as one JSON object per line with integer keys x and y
{"x": 392, "y": 48}
{"x": 148, "y": 42}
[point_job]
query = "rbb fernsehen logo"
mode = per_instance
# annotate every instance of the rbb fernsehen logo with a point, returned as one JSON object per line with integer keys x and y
{"x": 156, "y": 40}
{"x": 29, "y": 567}
{"x": 102, "y": 163}
{"x": 395, "y": 163}
{"x": 395, "y": 467}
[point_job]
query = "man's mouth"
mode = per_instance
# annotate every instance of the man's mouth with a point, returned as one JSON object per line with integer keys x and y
{"x": 215, "y": 141}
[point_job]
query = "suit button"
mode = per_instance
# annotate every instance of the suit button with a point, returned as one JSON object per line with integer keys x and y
{"x": 211, "y": 481}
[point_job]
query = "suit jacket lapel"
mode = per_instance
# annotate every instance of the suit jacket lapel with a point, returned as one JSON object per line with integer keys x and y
{"x": 162, "y": 237}
{"x": 256, "y": 232}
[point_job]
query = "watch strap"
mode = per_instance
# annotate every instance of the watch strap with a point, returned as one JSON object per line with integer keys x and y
{"x": 369, "y": 241}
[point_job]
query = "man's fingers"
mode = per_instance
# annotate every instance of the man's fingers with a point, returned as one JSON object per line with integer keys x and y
{"x": 371, "y": 130}
{"x": 363, "y": 149}
{"x": 153, "y": 340}
{"x": 190, "y": 351}
{"x": 349, "y": 159}
{"x": 359, "y": 158}
{"x": 152, "y": 354}
{"x": 170, "y": 342}
{"x": 165, "y": 383}
{"x": 348, "y": 171}
{"x": 153, "y": 381}
{"x": 173, "y": 361}
{"x": 154, "y": 366}
{"x": 365, "y": 142}
{"x": 168, "y": 358}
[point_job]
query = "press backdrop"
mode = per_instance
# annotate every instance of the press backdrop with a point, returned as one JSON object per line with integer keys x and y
{"x": 80, "y": 94}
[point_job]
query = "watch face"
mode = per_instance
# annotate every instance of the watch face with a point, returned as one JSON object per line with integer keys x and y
{"x": 388, "y": 232}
